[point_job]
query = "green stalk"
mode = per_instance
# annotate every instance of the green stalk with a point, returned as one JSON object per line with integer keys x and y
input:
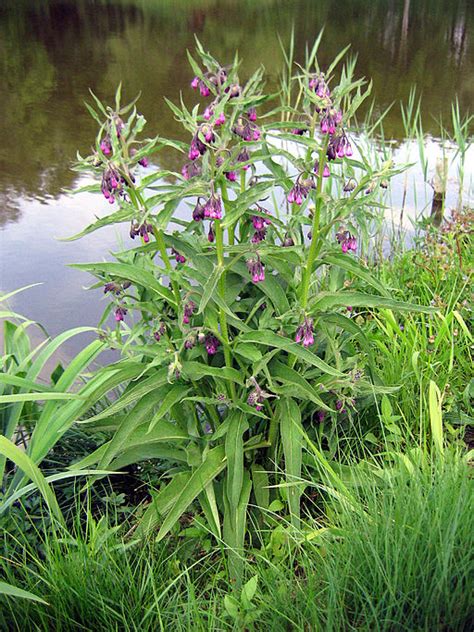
{"x": 315, "y": 246}
{"x": 221, "y": 289}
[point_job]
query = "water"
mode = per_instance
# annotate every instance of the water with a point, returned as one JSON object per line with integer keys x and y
{"x": 52, "y": 52}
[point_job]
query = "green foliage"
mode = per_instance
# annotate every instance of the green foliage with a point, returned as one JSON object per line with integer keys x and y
{"x": 227, "y": 354}
{"x": 396, "y": 557}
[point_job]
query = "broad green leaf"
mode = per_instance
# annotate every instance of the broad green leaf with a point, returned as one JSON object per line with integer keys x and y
{"x": 13, "y": 591}
{"x": 294, "y": 380}
{"x": 212, "y": 465}
{"x": 130, "y": 272}
{"x": 291, "y": 437}
{"x": 210, "y": 287}
{"x": 32, "y": 471}
{"x": 270, "y": 339}
{"x": 261, "y": 485}
{"x": 327, "y": 300}
{"x": 234, "y": 451}
{"x": 175, "y": 394}
{"x": 196, "y": 371}
{"x": 351, "y": 265}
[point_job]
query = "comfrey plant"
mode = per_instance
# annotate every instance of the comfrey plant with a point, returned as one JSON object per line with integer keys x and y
{"x": 235, "y": 328}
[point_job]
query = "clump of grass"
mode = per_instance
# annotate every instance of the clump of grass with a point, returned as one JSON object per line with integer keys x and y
{"x": 394, "y": 554}
{"x": 398, "y": 559}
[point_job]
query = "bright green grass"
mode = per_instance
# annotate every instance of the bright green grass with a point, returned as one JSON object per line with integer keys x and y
{"x": 398, "y": 558}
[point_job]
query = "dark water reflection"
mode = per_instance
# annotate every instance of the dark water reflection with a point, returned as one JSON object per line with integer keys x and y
{"x": 53, "y": 51}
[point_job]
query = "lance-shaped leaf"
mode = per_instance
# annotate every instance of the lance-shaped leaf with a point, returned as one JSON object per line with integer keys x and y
{"x": 270, "y": 339}
{"x": 32, "y": 471}
{"x": 234, "y": 450}
{"x": 290, "y": 431}
{"x": 131, "y": 273}
{"x": 327, "y": 300}
{"x": 212, "y": 465}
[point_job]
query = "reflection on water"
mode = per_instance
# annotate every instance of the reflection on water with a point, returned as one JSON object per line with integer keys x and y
{"x": 53, "y": 51}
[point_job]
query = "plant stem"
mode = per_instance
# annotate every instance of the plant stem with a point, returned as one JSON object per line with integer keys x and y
{"x": 221, "y": 289}
{"x": 315, "y": 246}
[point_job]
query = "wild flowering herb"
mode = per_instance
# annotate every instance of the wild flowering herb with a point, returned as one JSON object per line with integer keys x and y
{"x": 266, "y": 312}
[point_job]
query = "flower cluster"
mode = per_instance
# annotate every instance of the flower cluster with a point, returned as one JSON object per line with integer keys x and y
{"x": 179, "y": 258}
{"x": 257, "y": 395}
{"x": 304, "y": 333}
{"x": 189, "y": 308}
{"x": 347, "y": 241}
{"x": 198, "y": 147}
{"x": 212, "y": 344}
{"x": 159, "y": 332}
{"x": 120, "y": 312}
{"x": 141, "y": 230}
{"x": 256, "y": 269}
{"x": 339, "y": 146}
{"x": 260, "y": 224}
{"x": 246, "y": 128}
{"x": 112, "y": 184}
{"x": 300, "y": 190}
{"x": 213, "y": 207}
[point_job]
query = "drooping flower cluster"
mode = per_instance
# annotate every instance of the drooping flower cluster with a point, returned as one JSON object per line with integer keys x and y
{"x": 326, "y": 170}
{"x": 198, "y": 147}
{"x": 158, "y": 333}
{"x": 116, "y": 288}
{"x": 212, "y": 344}
{"x": 299, "y": 192}
{"x": 112, "y": 184}
{"x": 246, "y": 128}
{"x": 189, "y": 308}
{"x": 141, "y": 230}
{"x": 260, "y": 224}
{"x": 179, "y": 258}
{"x": 304, "y": 333}
{"x": 257, "y": 395}
{"x": 318, "y": 84}
{"x": 213, "y": 207}
{"x": 330, "y": 119}
{"x": 347, "y": 241}
{"x": 256, "y": 269}
{"x": 120, "y": 313}
{"x": 339, "y": 146}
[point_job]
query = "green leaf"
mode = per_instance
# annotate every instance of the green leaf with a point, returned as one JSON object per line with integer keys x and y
{"x": 35, "y": 397}
{"x": 327, "y": 300}
{"x": 174, "y": 395}
{"x": 196, "y": 371}
{"x": 212, "y": 465}
{"x": 261, "y": 486}
{"x": 291, "y": 437}
{"x": 351, "y": 265}
{"x": 436, "y": 417}
{"x": 130, "y": 272}
{"x": 32, "y": 471}
{"x": 234, "y": 451}
{"x": 209, "y": 288}
{"x": 298, "y": 386}
{"x": 248, "y": 592}
{"x": 271, "y": 339}
{"x": 13, "y": 591}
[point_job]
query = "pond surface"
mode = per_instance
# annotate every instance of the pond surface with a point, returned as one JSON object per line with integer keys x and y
{"x": 53, "y": 51}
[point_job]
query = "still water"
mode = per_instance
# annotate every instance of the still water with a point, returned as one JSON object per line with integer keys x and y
{"x": 53, "y": 51}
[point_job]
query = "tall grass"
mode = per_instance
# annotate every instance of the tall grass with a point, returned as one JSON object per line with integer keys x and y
{"x": 396, "y": 558}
